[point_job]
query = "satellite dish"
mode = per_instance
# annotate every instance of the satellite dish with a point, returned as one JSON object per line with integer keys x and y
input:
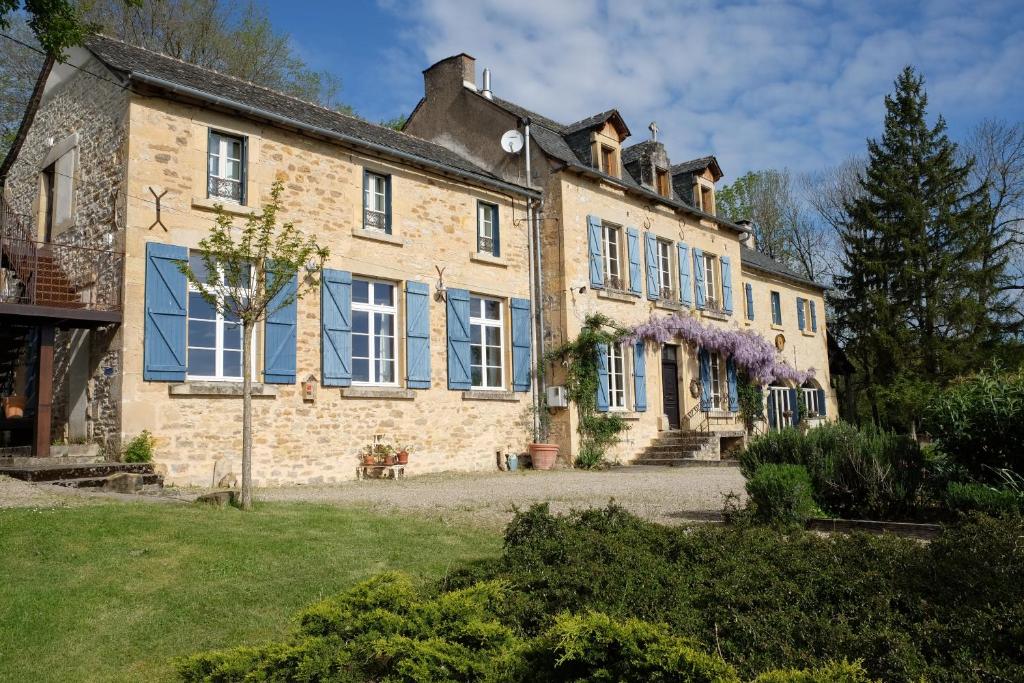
{"x": 512, "y": 141}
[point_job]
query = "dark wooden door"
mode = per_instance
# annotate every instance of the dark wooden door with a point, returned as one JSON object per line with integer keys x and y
{"x": 670, "y": 385}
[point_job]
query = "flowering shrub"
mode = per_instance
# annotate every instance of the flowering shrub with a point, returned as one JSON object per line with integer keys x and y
{"x": 750, "y": 351}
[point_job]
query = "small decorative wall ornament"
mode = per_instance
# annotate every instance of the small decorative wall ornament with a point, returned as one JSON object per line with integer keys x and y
{"x": 780, "y": 342}
{"x": 439, "y": 294}
{"x": 694, "y": 388}
{"x": 158, "y": 220}
{"x": 309, "y": 388}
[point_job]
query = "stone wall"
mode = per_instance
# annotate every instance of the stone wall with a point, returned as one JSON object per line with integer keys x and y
{"x": 198, "y": 431}
{"x": 94, "y": 109}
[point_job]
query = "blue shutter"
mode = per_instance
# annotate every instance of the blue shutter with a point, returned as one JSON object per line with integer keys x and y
{"x": 771, "y": 410}
{"x": 704, "y": 359}
{"x": 279, "y": 334}
{"x": 685, "y": 288}
{"x": 800, "y": 322}
{"x": 639, "y": 377}
{"x": 417, "y": 335}
{"x": 164, "y": 344}
{"x": 522, "y": 333}
{"x": 749, "y": 291}
{"x": 822, "y": 407}
{"x": 651, "y": 244}
{"x": 698, "y": 278}
{"x": 458, "y": 339}
{"x": 734, "y": 394}
{"x": 814, "y": 316}
{"x": 633, "y": 243}
{"x": 602, "y": 378}
{"x": 336, "y": 328}
{"x": 726, "y": 284}
{"x": 794, "y": 402}
{"x": 594, "y": 244}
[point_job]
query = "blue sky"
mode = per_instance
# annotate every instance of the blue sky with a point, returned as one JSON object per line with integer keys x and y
{"x": 759, "y": 83}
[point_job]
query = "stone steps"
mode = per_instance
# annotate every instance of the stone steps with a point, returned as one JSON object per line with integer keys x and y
{"x": 52, "y": 472}
{"x": 686, "y": 462}
{"x": 677, "y": 449}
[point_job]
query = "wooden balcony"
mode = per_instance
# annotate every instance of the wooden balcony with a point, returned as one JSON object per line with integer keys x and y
{"x": 60, "y": 284}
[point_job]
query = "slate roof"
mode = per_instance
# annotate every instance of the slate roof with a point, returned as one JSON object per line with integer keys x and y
{"x": 135, "y": 62}
{"x": 752, "y": 258}
{"x": 634, "y": 152}
{"x": 694, "y": 165}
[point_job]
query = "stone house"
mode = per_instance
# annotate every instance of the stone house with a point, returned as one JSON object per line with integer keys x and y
{"x": 626, "y": 233}
{"x": 419, "y": 332}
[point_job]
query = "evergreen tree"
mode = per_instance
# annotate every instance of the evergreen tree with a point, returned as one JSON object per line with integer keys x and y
{"x": 913, "y": 243}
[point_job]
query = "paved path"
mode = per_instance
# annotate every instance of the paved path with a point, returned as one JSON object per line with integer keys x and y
{"x": 661, "y": 494}
{"x": 657, "y": 493}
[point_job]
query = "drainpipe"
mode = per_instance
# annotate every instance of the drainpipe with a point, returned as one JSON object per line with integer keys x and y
{"x": 534, "y": 276}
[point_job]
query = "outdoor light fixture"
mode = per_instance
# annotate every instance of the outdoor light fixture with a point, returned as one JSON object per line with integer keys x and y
{"x": 312, "y": 266}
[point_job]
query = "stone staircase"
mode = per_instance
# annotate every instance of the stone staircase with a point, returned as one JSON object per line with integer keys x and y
{"x": 676, "y": 448}
{"x": 77, "y": 472}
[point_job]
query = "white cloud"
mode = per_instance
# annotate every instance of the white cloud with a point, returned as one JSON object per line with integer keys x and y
{"x": 759, "y": 83}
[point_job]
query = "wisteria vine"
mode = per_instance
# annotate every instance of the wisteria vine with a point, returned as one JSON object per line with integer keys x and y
{"x": 750, "y": 351}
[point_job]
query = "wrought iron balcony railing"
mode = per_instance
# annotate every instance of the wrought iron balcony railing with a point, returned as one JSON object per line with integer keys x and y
{"x": 375, "y": 220}
{"x": 485, "y": 245}
{"x": 224, "y": 188}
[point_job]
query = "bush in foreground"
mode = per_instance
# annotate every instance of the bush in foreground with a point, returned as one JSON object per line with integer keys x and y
{"x": 782, "y": 494}
{"x": 968, "y": 497}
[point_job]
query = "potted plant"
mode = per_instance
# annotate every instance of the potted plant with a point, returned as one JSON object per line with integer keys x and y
{"x": 403, "y": 454}
{"x": 14, "y": 407}
{"x": 368, "y": 456}
{"x": 543, "y": 455}
{"x": 385, "y": 453}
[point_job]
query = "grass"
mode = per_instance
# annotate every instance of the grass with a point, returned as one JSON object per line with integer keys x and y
{"x": 116, "y": 592}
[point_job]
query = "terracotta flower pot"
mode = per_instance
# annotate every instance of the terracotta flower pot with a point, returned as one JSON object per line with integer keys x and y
{"x": 369, "y": 460}
{"x": 543, "y": 455}
{"x": 14, "y": 407}
{"x": 403, "y": 457}
{"x": 389, "y": 460}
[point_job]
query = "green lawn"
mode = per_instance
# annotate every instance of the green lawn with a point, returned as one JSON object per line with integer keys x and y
{"x": 114, "y": 592}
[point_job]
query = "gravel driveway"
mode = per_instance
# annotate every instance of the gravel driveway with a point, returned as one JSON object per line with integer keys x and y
{"x": 661, "y": 494}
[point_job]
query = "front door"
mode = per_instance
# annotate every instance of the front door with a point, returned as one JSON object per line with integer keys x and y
{"x": 670, "y": 384}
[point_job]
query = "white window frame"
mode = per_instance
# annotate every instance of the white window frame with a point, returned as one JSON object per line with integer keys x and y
{"x": 220, "y": 323}
{"x": 781, "y": 397}
{"x": 484, "y": 324}
{"x": 617, "y": 378}
{"x": 372, "y": 309}
{"x": 607, "y": 231}
{"x": 716, "y": 381}
{"x": 710, "y": 281}
{"x": 775, "y": 299}
{"x": 224, "y": 141}
{"x": 376, "y": 195}
{"x": 811, "y": 401}
{"x": 665, "y": 269}
{"x": 485, "y": 215}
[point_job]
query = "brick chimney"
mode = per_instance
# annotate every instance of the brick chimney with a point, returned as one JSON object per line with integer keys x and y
{"x": 449, "y": 74}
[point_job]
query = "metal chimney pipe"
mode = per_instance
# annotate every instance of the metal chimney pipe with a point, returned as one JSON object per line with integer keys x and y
{"x": 486, "y": 92}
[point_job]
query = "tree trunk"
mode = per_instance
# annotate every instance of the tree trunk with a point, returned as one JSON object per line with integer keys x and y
{"x": 246, "y": 503}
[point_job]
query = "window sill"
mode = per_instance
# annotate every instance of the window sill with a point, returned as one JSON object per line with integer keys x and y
{"x": 488, "y": 259}
{"x": 625, "y": 414}
{"x": 808, "y": 334}
{"x": 377, "y": 236}
{"x": 778, "y": 328}
{"x": 210, "y": 204}
{"x": 618, "y": 295}
{"x": 668, "y": 305}
{"x": 213, "y": 388}
{"x": 714, "y": 315}
{"x": 379, "y": 392}
{"x": 489, "y": 395}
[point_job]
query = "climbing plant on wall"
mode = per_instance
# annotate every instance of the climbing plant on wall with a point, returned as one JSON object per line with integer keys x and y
{"x": 598, "y": 431}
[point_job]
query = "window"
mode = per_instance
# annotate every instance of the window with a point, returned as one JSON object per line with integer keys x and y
{"x": 487, "y": 228}
{"x": 811, "y": 404}
{"x": 607, "y": 160}
{"x": 776, "y": 309}
{"x": 56, "y": 196}
{"x": 780, "y": 412}
{"x": 711, "y": 281}
{"x": 661, "y": 182}
{"x": 616, "y": 378}
{"x": 376, "y": 200}
{"x": 214, "y": 339}
{"x": 665, "y": 270}
{"x": 716, "y": 382}
{"x": 611, "y": 235}
{"x": 707, "y": 199}
{"x": 226, "y": 163}
{"x": 486, "y": 336}
{"x": 373, "y": 332}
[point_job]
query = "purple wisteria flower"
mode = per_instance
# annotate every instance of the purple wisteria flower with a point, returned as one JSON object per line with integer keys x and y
{"x": 750, "y": 351}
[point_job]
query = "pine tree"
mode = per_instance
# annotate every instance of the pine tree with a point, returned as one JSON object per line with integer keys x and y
{"x": 913, "y": 247}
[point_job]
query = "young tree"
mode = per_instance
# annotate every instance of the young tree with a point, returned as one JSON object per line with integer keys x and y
{"x": 913, "y": 245}
{"x": 248, "y": 274}
{"x": 765, "y": 198}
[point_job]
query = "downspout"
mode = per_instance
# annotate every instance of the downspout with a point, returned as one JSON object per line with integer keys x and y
{"x": 534, "y": 305}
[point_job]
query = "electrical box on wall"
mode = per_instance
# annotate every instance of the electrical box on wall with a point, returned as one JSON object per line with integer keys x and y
{"x": 557, "y": 397}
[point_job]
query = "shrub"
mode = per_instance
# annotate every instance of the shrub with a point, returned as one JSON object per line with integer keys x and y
{"x": 854, "y": 472}
{"x": 139, "y": 449}
{"x": 979, "y": 421}
{"x": 833, "y": 672}
{"x": 781, "y": 494}
{"x": 968, "y": 497}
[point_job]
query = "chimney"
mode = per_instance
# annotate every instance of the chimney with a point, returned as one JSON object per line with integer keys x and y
{"x": 486, "y": 92}
{"x": 449, "y": 74}
{"x": 748, "y": 239}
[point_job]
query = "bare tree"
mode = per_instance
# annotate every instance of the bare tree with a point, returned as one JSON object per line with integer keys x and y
{"x": 20, "y": 67}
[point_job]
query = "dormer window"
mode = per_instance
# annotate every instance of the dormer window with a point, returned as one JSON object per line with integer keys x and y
{"x": 704, "y": 197}
{"x": 661, "y": 182}
{"x": 607, "y": 160}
